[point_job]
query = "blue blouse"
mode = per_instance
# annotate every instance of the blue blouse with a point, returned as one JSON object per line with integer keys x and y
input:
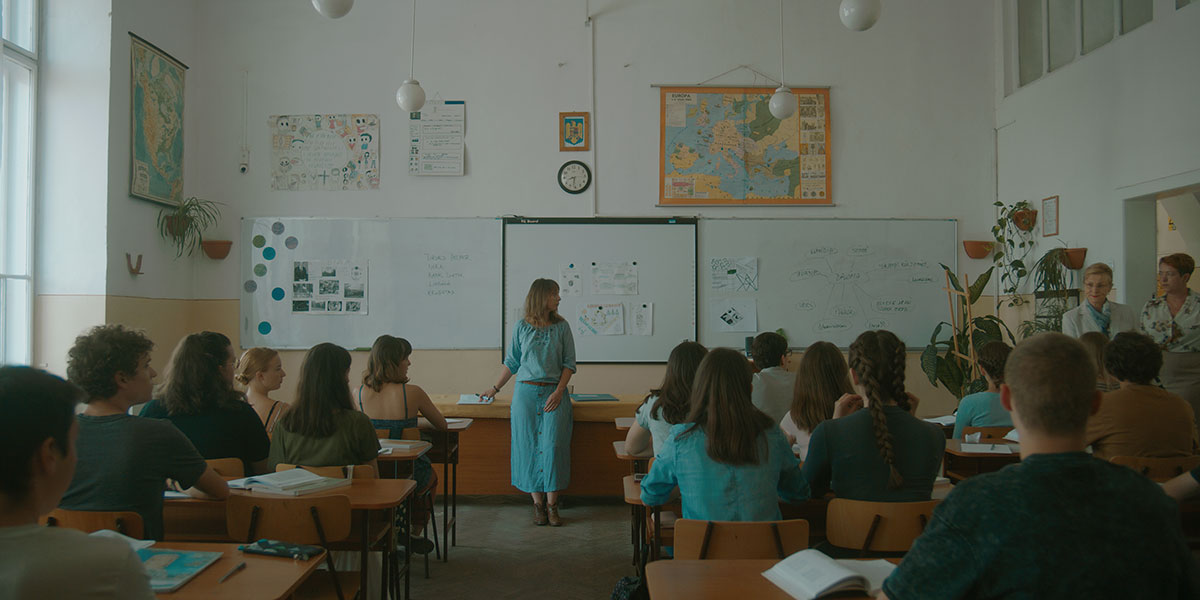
{"x": 981, "y": 409}
{"x": 720, "y": 492}
{"x": 540, "y": 353}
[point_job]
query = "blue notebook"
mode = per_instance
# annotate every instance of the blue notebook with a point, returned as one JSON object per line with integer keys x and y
{"x": 170, "y": 569}
{"x": 594, "y": 398}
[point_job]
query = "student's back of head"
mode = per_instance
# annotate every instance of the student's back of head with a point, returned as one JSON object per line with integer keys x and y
{"x": 102, "y": 353}
{"x": 992, "y": 358}
{"x": 721, "y": 407}
{"x": 322, "y": 391}
{"x": 675, "y": 392}
{"x": 1133, "y": 357}
{"x": 199, "y": 376}
{"x": 768, "y": 350}
{"x": 1052, "y": 382}
{"x": 39, "y": 412}
{"x": 821, "y": 378}
{"x": 877, "y": 359}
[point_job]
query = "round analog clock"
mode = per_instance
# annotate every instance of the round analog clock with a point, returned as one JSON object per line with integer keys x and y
{"x": 574, "y": 177}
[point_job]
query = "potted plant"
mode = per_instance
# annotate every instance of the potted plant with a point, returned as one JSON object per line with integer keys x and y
{"x": 1053, "y": 288}
{"x": 978, "y": 248}
{"x": 939, "y": 361}
{"x": 1013, "y": 245}
{"x": 1073, "y": 258}
{"x": 183, "y": 224}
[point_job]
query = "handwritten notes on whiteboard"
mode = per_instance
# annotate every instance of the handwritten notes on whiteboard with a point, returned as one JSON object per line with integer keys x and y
{"x": 445, "y": 272}
{"x": 436, "y": 134}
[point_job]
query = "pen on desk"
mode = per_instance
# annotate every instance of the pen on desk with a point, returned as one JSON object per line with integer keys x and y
{"x": 239, "y": 567}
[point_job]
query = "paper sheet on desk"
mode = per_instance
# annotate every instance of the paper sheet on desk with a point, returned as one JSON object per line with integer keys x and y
{"x": 986, "y": 448}
{"x": 943, "y": 421}
{"x": 474, "y": 399}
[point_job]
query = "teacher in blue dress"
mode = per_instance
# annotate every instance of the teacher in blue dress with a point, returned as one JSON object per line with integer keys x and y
{"x": 542, "y": 356}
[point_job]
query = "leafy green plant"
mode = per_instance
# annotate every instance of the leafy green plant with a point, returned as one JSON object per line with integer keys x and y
{"x": 1053, "y": 284}
{"x": 1014, "y": 242}
{"x": 183, "y": 225}
{"x": 939, "y": 361}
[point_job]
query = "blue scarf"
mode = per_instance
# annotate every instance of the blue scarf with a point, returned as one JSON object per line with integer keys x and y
{"x": 1102, "y": 317}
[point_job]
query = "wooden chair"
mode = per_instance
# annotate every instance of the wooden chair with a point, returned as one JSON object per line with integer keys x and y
{"x": 989, "y": 434}
{"x": 123, "y": 522}
{"x": 739, "y": 540}
{"x": 413, "y": 433}
{"x": 383, "y": 434}
{"x": 360, "y": 471}
{"x": 1158, "y": 469}
{"x": 876, "y": 526}
{"x": 319, "y": 520}
{"x": 230, "y": 468}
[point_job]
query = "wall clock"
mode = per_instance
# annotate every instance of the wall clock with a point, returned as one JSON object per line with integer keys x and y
{"x": 574, "y": 177}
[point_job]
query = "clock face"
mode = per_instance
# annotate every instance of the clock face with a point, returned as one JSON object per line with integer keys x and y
{"x": 574, "y": 177}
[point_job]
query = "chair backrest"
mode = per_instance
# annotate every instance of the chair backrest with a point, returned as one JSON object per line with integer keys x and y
{"x": 87, "y": 521}
{"x": 989, "y": 433}
{"x": 227, "y": 467}
{"x": 300, "y": 520}
{"x": 383, "y": 434}
{"x": 360, "y": 471}
{"x": 739, "y": 540}
{"x": 410, "y": 433}
{"x": 1158, "y": 469}
{"x": 876, "y": 526}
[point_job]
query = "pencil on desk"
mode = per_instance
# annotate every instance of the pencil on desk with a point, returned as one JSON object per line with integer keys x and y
{"x": 239, "y": 567}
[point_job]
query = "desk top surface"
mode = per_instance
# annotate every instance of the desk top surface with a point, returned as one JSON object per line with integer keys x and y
{"x": 716, "y": 579}
{"x": 264, "y": 576}
{"x": 364, "y": 494}
{"x": 955, "y": 447}
{"x": 411, "y": 450}
{"x": 625, "y": 406}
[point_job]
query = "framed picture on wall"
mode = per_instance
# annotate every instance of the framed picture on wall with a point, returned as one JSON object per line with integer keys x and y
{"x": 1050, "y": 216}
{"x": 573, "y": 132}
{"x": 156, "y": 123}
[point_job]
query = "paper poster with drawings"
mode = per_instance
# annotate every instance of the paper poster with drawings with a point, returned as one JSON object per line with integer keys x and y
{"x": 570, "y": 280}
{"x": 643, "y": 319}
{"x": 325, "y": 152}
{"x": 734, "y": 274}
{"x": 601, "y": 319}
{"x": 329, "y": 287}
{"x": 733, "y": 314}
{"x": 619, "y": 278}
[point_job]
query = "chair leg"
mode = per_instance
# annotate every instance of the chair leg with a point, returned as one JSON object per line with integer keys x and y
{"x": 708, "y": 527}
{"x": 337, "y": 585}
{"x": 778, "y": 541}
{"x": 437, "y": 549}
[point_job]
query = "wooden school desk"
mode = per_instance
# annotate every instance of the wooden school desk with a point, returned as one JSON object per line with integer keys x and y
{"x": 637, "y": 462}
{"x": 389, "y": 464}
{"x": 445, "y": 452}
{"x": 624, "y": 423}
{"x": 484, "y": 454}
{"x": 266, "y": 577}
{"x": 717, "y": 580}
{"x": 959, "y": 465}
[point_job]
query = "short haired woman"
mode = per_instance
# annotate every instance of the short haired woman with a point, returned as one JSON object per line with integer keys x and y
{"x": 822, "y": 377}
{"x": 1097, "y": 312}
{"x": 1173, "y": 322}
{"x": 260, "y": 371}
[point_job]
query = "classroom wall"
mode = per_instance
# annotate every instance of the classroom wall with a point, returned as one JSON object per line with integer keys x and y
{"x": 1116, "y": 124}
{"x": 1184, "y": 211}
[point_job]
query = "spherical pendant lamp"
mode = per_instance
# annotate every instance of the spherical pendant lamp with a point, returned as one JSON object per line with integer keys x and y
{"x": 783, "y": 103}
{"x": 410, "y": 96}
{"x": 859, "y": 15}
{"x": 334, "y": 9}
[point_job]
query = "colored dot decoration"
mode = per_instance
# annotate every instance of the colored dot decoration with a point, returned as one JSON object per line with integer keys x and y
{"x": 291, "y": 242}
{"x": 259, "y": 241}
{"x": 277, "y": 228}
{"x": 269, "y": 253}
{"x": 260, "y": 269}
{"x": 264, "y": 328}
{"x": 277, "y": 293}
{"x": 251, "y": 286}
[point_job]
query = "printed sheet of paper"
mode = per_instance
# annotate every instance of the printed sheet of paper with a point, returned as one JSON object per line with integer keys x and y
{"x": 619, "y": 278}
{"x": 601, "y": 319}
{"x": 677, "y": 107}
{"x": 643, "y": 319}
{"x": 329, "y": 287}
{"x": 325, "y": 152}
{"x": 436, "y": 134}
{"x": 570, "y": 280}
{"x": 734, "y": 274}
{"x": 734, "y": 314}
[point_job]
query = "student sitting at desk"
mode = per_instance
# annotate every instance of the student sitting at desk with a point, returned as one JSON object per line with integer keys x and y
{"x": 773, "y": 383}
{"x": 730, "y": 461}
{"x": 197, "y": 396}
{"x": 323, "y": 429}
{"x": 392, "y": 404}
{"x": 1140, "y": 419}
{"x": 883, "y": 453}
{"x": 668, "y": 405}
{"x": 983, "y": 409}
{"x": 821, "y": 378}
{"x": 260, "y": 370}
{"x": 1094, "y": 342}
{"x": 38, "y": 438}
{"x": 125, "y": 461}
{"x": 1060, "y": 524}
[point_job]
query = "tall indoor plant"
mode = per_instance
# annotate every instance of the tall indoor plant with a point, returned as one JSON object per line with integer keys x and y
{"x": 939, "y": 361}
{"x": 1013, "y": 232}
{"x": 1053, "y": 287}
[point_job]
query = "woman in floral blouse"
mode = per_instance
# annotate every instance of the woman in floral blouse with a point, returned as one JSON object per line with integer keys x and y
{"x": 1173, "y": 321}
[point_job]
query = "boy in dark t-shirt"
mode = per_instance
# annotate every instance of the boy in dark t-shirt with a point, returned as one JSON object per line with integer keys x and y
{"x": 1060, "y": 524}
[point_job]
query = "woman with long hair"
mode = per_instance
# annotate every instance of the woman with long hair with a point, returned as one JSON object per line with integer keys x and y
{"x": 729, "y": 459}
{"x": 260, "y": 371}
{"x": 821, "y": 379}
{"x": 323, "y": 429}
{"x": 542, "y": 356}
{"x": 197, "y": 396}
{"x": 1094, "y": 342}
{"x": 883, "y": 453}
{"x": 667, "y": 405}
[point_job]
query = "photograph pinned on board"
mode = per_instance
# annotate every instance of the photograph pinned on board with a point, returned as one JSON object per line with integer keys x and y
{"x": 300, "y": 270}
{"x": 352, "y": 306}
{"x": 317, "y": 305}
{"x": 302, "y": 290}
{"x": 329, "y": 271}
{"x": 354, "y": 290}
{"x": 328, "y": 287}
{"x": 299, "y": 306}
{"x": 333, "y": 306}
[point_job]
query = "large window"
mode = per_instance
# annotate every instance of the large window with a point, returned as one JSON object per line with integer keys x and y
{"x": 18, "y": 89}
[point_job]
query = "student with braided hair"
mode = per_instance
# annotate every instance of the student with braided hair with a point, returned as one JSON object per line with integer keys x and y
{"x": 983, "y": 409}
{"x": 883, "y": 453}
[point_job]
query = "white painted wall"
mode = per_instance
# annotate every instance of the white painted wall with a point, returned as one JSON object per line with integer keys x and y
{"x": 72, "y": 175}
{"x": 1116, "y": 124}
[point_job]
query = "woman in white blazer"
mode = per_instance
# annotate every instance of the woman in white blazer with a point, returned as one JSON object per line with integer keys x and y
{"x": 1096, "y": 312}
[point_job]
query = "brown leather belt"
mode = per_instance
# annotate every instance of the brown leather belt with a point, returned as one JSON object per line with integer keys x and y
{"x": 541, "y": 383}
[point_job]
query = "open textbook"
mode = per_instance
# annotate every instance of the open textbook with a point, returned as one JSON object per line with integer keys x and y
{"x": 811, "y": 574}
{"x": 293, "y": 482}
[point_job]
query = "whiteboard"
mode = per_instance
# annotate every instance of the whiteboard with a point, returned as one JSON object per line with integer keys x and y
{"x": 596, "y": 257}
{"x": 433, "y": 282}
{"x": 827, "y": 279}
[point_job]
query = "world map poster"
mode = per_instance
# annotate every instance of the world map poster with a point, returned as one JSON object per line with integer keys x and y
{"x": 156, "y": 106}
{"x": 722, "y": 145}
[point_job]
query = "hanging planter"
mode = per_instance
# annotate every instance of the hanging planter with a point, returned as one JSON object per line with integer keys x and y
{"x": 1072, "y": 258}
{"x": 216, "y": 249}
{"x": 182, "y": 224}
{"x": 1025, "y": 219}
{"x": 978, "y": 248}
